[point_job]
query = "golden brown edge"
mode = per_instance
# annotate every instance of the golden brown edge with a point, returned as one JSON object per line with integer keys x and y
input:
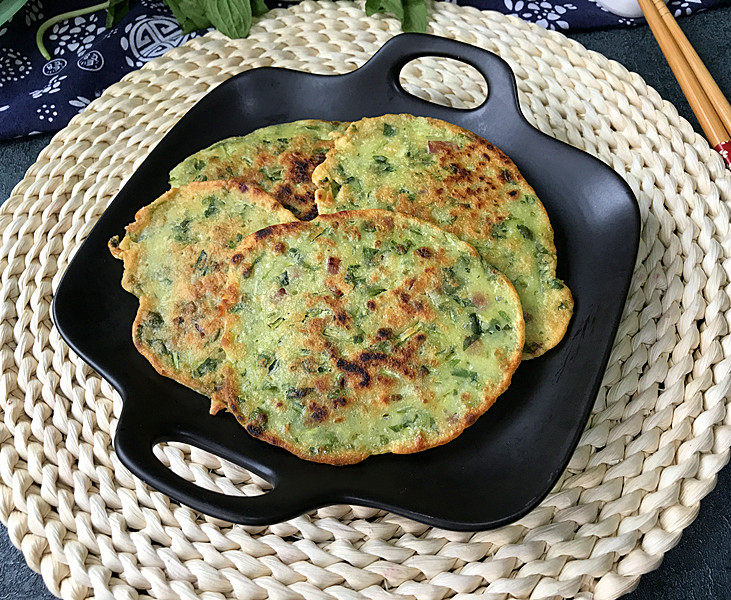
{"x": 325, "y": 200}
{"x": 129, "y": 254}
{"x": 227, "y": 395}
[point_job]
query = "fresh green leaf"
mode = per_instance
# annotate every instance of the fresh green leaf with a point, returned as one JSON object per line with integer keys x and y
{"x": 415, "y": 16}
{"x": 191, "y": 14}
{"x": 116, "y": 11}
{"x": 385, "y": 6}
{"x": 258, "y": 7}
{"x": 230, "y": 17}
{"x": 371, "y": 8}
{"x": 8, "y": 8}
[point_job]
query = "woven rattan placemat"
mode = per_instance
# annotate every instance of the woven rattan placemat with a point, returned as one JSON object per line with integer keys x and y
{"x": 658, "y": 434}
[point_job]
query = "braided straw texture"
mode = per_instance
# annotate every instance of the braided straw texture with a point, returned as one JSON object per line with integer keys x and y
{"x": 658, "y": 435}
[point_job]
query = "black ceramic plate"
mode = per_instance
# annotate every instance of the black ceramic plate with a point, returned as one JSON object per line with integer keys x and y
{"x": 499, "y": 468}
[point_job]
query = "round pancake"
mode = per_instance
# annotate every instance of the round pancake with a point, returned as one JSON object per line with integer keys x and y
{"x": 279, "y": 159}
{"x": 364, "y": 332}
{"x": 451, "y": 177}
{"x": 175, "y": 255}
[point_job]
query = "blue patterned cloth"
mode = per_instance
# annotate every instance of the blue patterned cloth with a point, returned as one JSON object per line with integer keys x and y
{"x": 38, "y": 95}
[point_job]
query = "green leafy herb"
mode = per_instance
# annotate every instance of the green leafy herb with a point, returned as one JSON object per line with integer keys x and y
{"x": 207, "y": 366}
{"x": 230, "y": 17}
{"x": 181, "y": 232}
{"x": 382, "y": 165}
{"x": 233, "y": 242}
{"x": 507, "y": 176}
{"x": 154, "y": 320}
{"x": 276, "y": 323}
{"x": 557, "y": 284}
{"x": 369, "y": 254}
{"x": 272, "y": 173}
{"x": 351, "y": 275}
{"x": 415, "y": 16}
{"x": 465, "y": 373}
{"x": 389, "y": 130}
{"x": 116, "y": 11}
{"x": 201, "y": 266}
{"x": 493, "y": 326}
{"x": 211, "y": 203}
{"x": 8, "y": 8}
{"x": 383, "y": 6}
{"x": 237, "y": 308}
{"x": 525, "y": 231}
{"x": 499, "y": 231}
{"x": 191, "y": 14}
{"x": 476, "y": 331}
{"x": 375, "y": 291}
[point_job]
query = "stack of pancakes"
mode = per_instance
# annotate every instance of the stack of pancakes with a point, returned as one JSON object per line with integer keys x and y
{"x": 388, "y": 323}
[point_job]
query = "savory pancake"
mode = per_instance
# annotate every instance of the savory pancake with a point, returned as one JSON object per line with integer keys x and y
{"x": 364, "y": 332}
{"x": 451, "y": 177}
{"x": 175, "y": 255}
{"x": 279, "y": 159}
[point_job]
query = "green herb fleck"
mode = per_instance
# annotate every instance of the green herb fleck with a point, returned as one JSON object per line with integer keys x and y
{"x": 375, "y": 291}
{"x": 201, "y": 266}
{"x": 181, "y": 232}
{"x": 471, "y": 375}
{"x": 525, "y": 231}
{"x": 382, "y": 165}
{"x": 370, "y": 254}
{"x": 207, "y": 366}
{"x": 233, "y": 242}
{"x": 493, "y": 326}
{"x": 476, "y": 329}
{"x": 499, "y": 231}
{"x": 212, "y": 205}
{"x": 507, "y": 176}
{"x": 154, "y": 320}
{"x": 351, "y": 275}
{"x": 276, "y": 323}
{"x": 272, "y": 173}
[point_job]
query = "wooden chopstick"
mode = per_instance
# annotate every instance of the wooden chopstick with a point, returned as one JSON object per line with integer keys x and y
{"x": 705, "y": 98}
{"x": 707, "y": 82}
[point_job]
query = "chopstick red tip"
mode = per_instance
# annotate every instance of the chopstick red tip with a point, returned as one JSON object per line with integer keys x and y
{"x": 724, "y": 149}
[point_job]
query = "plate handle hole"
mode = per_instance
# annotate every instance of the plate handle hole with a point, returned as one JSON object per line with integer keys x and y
{"x": 208, "y": 471}
{"x": 444, "y": 81}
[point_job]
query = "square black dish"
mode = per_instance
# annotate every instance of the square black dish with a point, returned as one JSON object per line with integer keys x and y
{"x": 498, "y": 469}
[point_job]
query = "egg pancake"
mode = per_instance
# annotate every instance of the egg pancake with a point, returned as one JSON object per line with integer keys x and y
{"x": 453, "y": 178}
{"x": 175, "y": 255}
{"x": 364, "y": 332}
{"x": 279, "y": 159}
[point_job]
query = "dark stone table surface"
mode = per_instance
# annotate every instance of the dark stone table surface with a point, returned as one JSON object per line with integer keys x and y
{"x": 699, "y": 568}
